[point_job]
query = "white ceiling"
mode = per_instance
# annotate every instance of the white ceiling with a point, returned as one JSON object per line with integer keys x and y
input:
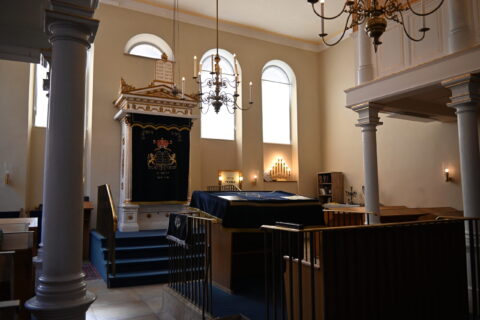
{"x": 293, "y": 20}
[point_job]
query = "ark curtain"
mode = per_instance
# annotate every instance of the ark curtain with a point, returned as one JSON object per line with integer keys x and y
{"x": 160, "y": 158}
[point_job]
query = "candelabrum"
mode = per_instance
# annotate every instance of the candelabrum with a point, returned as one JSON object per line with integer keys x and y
{"x": 375, "y": 16}
{"x": 217, "y": 86}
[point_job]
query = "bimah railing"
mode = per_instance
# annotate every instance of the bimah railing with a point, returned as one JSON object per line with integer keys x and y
{"x": 107, "y": 225}
{"x": 415, "y": 270}
{"x": 190, "y": 259}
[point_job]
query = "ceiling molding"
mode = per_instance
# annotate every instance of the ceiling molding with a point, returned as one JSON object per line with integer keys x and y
{"x": 151, "y": 7}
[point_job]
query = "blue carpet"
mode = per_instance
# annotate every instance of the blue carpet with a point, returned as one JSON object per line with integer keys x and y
{"x": 248, "y": 300}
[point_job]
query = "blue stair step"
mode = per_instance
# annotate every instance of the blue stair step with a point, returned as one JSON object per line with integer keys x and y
{"x": 137, "y": 278}
{"x": 132, "y": 252}
{"x": 140, "y": 257}
{"x": 140, "y": 240}
{"x": 141, "y": 264}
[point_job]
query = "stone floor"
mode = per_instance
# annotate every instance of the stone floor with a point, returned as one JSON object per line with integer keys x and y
{"x": 136, "y": 303}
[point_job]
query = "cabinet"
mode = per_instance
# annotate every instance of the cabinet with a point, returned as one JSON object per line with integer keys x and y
{"x": 330, "y": 187}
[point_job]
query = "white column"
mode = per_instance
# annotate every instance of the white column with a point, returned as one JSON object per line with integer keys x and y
{"x": 466, "y": 99}
{"x": 368, "y": 121}
{"x": 460, "y": 34}
{"x": 363, "y": 56}
{"x": 127, "y": 212}
{"x": 61, "y": 292}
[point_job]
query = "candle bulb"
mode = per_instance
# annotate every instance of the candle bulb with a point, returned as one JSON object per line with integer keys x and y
{"x": 183, "y": 87}
{"x": 250, "y": 84}
{"x": 195, "y": 71}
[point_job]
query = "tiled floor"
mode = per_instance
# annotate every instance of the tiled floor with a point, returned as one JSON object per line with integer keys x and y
{"x": 134, "y": 303}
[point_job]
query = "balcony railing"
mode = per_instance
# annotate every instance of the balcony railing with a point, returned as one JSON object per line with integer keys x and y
{"x": 190, "y": 264}
{"x": 416, "y": 270}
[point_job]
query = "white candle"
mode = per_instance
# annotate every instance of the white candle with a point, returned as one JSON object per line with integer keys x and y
{"x": 250, "y": 84}
{"x": 235, "y": 63}
{"x": 195, "y": 71}
{"x": 200, "y": 68}
{"x": 322, "y": 13}
{"x": 183, "y": 86}
{"x": 213, "y": 67}
{"x": 423, "y": 11}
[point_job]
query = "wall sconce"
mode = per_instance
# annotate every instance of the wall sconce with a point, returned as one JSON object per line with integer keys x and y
{"x": 6, "y": 176}
{"x": 447, "y": 175}
{"x": 220, "y": 179}
{"x": 254, "y": 180}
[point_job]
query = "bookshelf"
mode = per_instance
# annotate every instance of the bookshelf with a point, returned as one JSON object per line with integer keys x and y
{"x": 330, "y": 187}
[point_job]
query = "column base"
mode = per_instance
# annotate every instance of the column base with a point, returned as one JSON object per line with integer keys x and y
{"x": 61, "y": 310}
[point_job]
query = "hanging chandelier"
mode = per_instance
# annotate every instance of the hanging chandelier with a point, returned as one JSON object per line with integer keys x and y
{"x": 218, "y": 84}
{"x": 375, "y": 16}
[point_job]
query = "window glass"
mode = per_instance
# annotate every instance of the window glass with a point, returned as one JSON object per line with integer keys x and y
{"x": 217, "y": 125}
{"x": 41, "y": 98}
{"x": 276, "y": 98}
{"x": 146, "y": 50}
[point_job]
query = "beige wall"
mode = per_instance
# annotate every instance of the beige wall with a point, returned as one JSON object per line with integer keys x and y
{"x": 14, "y": 138}
{"x": 411, "y": 155}
{"x": 117, "y": 26}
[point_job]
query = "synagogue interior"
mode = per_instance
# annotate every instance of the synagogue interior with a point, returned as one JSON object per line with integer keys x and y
{"x": 181, "y": 159}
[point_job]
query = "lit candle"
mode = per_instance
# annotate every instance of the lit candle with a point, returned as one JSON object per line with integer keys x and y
{"x": 183, "y": 87}
{"x": 195, "y": 71}
{"x": 250, "y": 84}
{"x": 322, "y": 13}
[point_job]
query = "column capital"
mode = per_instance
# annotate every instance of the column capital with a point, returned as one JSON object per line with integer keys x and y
{"x": 368, "y": 114}
{"x": 465, "y": 91}
{"x": 83, "y": 24}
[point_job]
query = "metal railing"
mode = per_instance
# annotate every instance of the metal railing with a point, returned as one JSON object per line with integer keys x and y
{"x": 190, "y": 265}
{"x": 107, "y": 225}
{"x": 412, "y": 270}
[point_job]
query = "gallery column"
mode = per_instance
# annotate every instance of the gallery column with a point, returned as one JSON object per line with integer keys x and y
{"x": 466, "y": 99}
{"x": 61, "y": 291}
{"x": 368, "y": 120}
{"x": 460, "y": 33}
{"x": 363, "y": 56}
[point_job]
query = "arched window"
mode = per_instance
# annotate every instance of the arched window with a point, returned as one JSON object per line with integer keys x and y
{"x": 276, "y": 103}
{"x": 217, "y": 125}
{"x": 149, "y": 46}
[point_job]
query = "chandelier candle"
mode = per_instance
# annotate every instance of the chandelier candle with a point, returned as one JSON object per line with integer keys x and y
{"x": 195, "y": 71}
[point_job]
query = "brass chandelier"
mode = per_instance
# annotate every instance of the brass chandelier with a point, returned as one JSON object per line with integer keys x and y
{"x": 217, "y": 84}
{"x": 375, "y": 15}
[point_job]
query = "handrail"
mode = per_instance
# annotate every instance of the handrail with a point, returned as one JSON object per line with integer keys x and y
{"x": 380, "y": 225}
{"x": 107, "y": 223}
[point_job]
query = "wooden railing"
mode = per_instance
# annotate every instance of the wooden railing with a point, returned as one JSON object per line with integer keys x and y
{"x": 414, "y": 270}
{"x": 190, "y": 265}
{"x": 107, "y": 224}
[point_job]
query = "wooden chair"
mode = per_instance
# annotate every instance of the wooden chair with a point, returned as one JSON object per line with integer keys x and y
{"x": 228, "y": 187}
